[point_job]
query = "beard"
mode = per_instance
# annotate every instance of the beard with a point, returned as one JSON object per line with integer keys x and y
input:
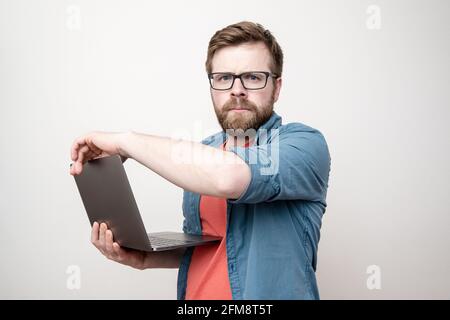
{"x": 253, "y": 118}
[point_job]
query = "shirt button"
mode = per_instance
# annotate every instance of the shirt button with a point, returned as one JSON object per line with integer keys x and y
{"x": 231, "y": 267}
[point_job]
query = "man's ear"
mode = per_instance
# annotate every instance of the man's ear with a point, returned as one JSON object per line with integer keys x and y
{"x": 276, "y": 94}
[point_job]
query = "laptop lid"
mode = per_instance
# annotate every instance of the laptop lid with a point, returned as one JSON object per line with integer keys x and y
{"x": 106, "y": 194}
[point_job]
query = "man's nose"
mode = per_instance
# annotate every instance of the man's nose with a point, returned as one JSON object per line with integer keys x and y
{"x": 238, "y": 89}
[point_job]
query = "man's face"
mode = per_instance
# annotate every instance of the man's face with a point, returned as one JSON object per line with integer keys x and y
{"x": 239, "y": 108}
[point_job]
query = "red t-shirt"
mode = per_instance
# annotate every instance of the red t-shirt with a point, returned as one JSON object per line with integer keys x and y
{"x": 208, "y": 272}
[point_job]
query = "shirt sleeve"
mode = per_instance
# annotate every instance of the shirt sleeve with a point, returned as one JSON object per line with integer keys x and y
{"x": 294, "y": 164}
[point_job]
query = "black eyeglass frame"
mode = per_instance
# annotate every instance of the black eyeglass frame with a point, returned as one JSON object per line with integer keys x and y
{"x": 238, "y": 76}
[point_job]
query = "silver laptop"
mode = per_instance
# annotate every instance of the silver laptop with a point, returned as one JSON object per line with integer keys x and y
{"x": 107, "y": 197}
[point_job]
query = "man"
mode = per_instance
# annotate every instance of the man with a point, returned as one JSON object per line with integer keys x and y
{"x": 265, "y": 195}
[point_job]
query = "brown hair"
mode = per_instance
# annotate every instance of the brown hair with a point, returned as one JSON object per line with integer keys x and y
{"x": 244, "y": 32}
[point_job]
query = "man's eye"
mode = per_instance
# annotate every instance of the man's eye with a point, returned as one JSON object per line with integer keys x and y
{"x": 224, "y": 78}
{"x": 253, "y": 77}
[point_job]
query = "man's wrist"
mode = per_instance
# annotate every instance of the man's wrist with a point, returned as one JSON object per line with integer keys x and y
{"x": 124, "y": 143}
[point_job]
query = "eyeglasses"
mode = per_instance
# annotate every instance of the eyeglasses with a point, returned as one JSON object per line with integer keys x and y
{"x": 253, "y": 80}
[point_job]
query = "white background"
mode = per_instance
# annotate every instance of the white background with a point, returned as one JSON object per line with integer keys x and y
{"x": 381, "y": 98}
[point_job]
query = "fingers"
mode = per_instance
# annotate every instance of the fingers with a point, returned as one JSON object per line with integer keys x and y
{"x": 84, "y": 154}
{"x": 118, "y": 251}
{"x": 103, "y": 240}
{"x": 92, "y": 146}
{"x": 94, "y": 233}
{"x": 110, "y": 253}
{"x": 101, "y": 237}
{"x": 78, "y": 154}
{"x": 77, "y": 144}
{"x": 74, "y": 155}
{"x": 95, "y": 236}
{"x": 74, "y": 150}
{"x": 82, "y": 150}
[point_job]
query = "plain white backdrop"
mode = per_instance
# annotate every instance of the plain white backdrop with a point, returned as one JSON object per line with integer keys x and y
{"x": 372, "y": 76}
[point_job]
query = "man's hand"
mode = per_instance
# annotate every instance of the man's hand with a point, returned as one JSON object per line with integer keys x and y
{"x": 95, "y": 145}
{"x": 102, "y": 239}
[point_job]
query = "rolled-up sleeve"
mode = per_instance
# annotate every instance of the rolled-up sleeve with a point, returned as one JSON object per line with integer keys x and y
{"x": 293, "y": 164}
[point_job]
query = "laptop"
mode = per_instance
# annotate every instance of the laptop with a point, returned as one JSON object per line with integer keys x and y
{"x": 107, "y": 197}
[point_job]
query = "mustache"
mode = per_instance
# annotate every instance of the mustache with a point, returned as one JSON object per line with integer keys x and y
{"x": 243, "y": 104}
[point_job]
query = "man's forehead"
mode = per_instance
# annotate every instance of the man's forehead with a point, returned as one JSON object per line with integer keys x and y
{"x": 241, "y": 58}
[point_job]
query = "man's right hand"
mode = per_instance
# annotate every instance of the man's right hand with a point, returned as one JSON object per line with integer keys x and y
{"x": 102, "y": 238}
{"x": 96, "y": 144}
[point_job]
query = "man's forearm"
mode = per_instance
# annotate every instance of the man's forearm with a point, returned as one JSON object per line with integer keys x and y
{"x": 190, "y": 165}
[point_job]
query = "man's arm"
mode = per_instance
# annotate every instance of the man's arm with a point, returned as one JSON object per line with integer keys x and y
{"x": 297, "y": 166}
{"x": 190, "y": 165}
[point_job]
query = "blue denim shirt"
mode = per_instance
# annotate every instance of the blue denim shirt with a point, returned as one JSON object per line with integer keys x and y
{"x": 273, "y": 229}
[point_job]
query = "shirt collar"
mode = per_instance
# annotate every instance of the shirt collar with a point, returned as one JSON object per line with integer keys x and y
{"x": 272, "y": 123}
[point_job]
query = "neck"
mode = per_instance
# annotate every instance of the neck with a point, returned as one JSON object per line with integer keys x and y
{"x": 238, "y": 141}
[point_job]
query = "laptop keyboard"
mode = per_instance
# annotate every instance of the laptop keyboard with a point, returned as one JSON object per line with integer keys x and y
{"x": 163, "y": 242}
